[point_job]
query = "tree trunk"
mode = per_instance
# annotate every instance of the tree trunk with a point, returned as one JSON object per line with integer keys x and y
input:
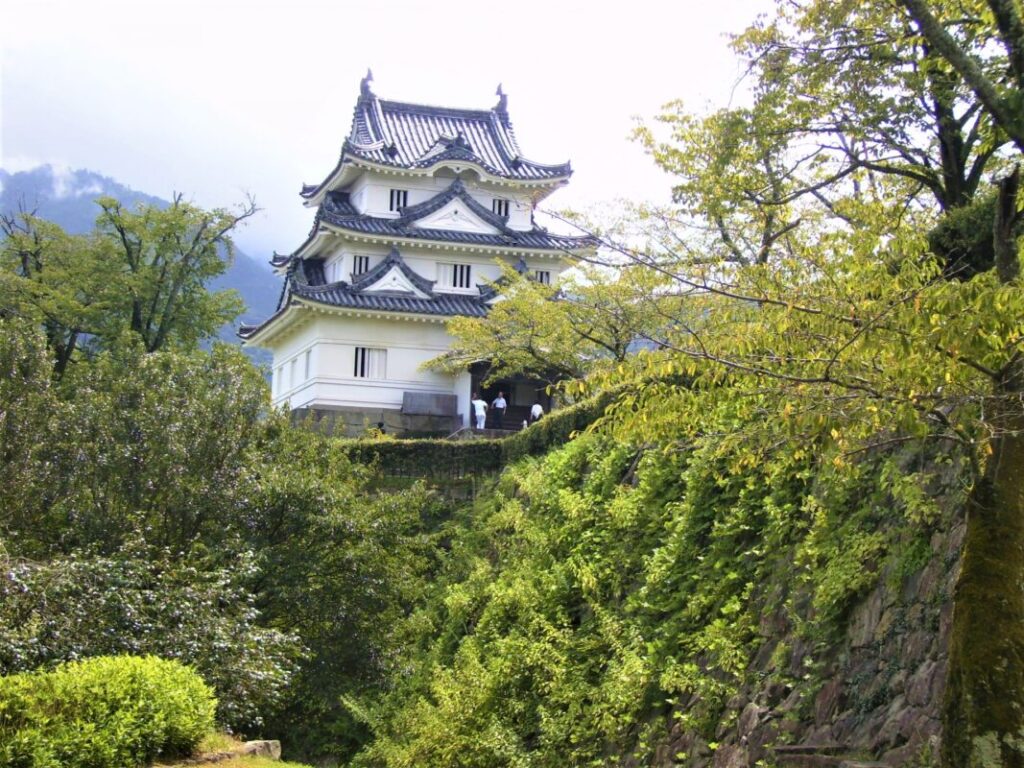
{"x": 983, "y": 710}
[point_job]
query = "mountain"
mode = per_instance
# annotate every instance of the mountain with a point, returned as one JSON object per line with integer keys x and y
{"x": 66, "y": 197}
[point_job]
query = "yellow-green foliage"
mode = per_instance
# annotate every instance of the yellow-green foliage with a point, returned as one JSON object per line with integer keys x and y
{"x": 603, "y": 583}
{"x": 105, "y": 712}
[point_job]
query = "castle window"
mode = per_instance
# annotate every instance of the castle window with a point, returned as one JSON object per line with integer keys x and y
{"x": 542, "y": 276}
{"x": 370, "y": 363}
{"x": 292, "y": 377}
{"x": 333, "y": 271}
{"x": 455, "y": 275}
{"x": 399, "y": 199}
{"x": 307, "y": 364}
{"x": 360, "y": 265}
{"x": 500, "y": 206}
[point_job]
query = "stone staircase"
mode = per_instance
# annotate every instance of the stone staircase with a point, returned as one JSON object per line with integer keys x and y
{"x": 820, "y": 756}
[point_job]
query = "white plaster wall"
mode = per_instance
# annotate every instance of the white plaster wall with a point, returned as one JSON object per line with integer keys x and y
{"x": 371, "y": 193}
{"x": 286, "y": 349}
{"x": 463, "y": 384}
{"x": 340, "y": 264}
{"x": 332, "y": 340}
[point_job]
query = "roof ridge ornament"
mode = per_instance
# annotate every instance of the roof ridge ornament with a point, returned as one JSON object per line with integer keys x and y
{"x": 502, "y": 105}
{"x": 364, "y": 85}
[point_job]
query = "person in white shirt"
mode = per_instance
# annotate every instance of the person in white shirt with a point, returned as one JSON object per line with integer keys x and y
{"x": 499, "y": 405}
{"x": 536, "y": 412}
{"x": 479, "y": 410}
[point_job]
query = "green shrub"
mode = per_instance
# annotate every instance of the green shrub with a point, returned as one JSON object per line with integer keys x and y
{"x": 454, "y": 459}
{"x": 556, "y": 429}
{"x": 83, "y": 606}
{"x": 436, "y": 458}
{"x": 105, "y": 712}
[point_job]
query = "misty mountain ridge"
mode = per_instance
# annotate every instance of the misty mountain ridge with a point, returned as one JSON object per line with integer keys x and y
{"x": 67, "y": 197}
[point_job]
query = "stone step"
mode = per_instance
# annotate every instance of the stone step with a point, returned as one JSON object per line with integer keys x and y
{"x": 825, "y": 761}
{"x": 270, "y": 749}
{"x": 820, "y": 756}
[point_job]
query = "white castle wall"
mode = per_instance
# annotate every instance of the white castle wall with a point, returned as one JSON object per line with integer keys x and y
{"x": 330, "y": 381}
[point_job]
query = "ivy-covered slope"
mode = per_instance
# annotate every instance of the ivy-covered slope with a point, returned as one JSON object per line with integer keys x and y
{"x": 607, "y": 605}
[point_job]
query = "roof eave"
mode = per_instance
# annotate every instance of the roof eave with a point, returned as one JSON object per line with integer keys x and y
{"x": 545, "y": 192}
{"x": 344, "y": 173}
{"x": 447, "y": 245}
{"x": 273, "y": 326}
{"x": 378, "y": 313}
{"x": 400, "y": 170}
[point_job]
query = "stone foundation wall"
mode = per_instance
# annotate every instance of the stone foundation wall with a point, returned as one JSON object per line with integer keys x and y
{"x": 356, "y": 422}
{"x": 871, "y": 698}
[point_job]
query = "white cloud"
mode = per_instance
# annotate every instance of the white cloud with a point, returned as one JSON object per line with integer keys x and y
{"x": 19, "y": 163}
{"x": 213, "y": 97}
{"x": 63, "y": 181}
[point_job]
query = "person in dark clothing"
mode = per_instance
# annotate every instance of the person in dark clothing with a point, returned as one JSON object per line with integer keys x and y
{"x": 499, "y": 406}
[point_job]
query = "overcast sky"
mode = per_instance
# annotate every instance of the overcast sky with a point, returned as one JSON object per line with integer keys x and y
{"x": 219, "y": 98}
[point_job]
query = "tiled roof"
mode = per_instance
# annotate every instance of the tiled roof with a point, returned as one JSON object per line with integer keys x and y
{"x": 402, "y": 135}
{"x": 344, "y": 295}
{"x": 337, "y": 211}
{"x": 306, "y": 280}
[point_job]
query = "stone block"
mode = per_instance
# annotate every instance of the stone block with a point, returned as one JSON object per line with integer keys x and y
{"x": 429, "y": 404}
{"x": 268, "y": 748}
{"x": 828, "y": 701}
{"x": 888, "y": 735}
{"x": 919, "y": 686}
{"x": 844, "y": 725}
{"x": 730, "y": 756}
{"x": 865, "y": 620}
{"x": 918, "y": 646}
{"x": 749, "y": 718}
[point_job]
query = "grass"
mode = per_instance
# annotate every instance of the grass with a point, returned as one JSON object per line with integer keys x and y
{"x": 256, "y": 762}
{"x": 218, "y": 742}
{"x": 221, "y": 742}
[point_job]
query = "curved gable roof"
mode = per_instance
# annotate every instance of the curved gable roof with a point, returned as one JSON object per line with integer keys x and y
{"x": 457, "y": 190}
{"x": 393, "y": 259}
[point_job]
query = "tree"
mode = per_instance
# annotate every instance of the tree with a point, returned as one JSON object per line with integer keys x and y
{"x": 865, "y": 95}
{"x": 167, "y": 257}
{"x": 843, "y": 94}
{"x": 64, "y": 282}
{"x": 556, "y": 333}
{"x": 138, "y": 602}
{"x": 141, "y": 272}
{"x": 984, "y": 707}
{"x": 133, "y": 444}
{"x": 851, "y": 330}
{"x": 341, "y": 566}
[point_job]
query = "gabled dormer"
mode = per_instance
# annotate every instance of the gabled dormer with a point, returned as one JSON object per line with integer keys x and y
{"x": 454, "y": 209}
{"x": 394, "y": 276}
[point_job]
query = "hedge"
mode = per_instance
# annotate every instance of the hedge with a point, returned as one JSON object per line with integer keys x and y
{"x": 556, "y": 428}
{"x": 456, "y": 459}
{"x": 104, "y": 712}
